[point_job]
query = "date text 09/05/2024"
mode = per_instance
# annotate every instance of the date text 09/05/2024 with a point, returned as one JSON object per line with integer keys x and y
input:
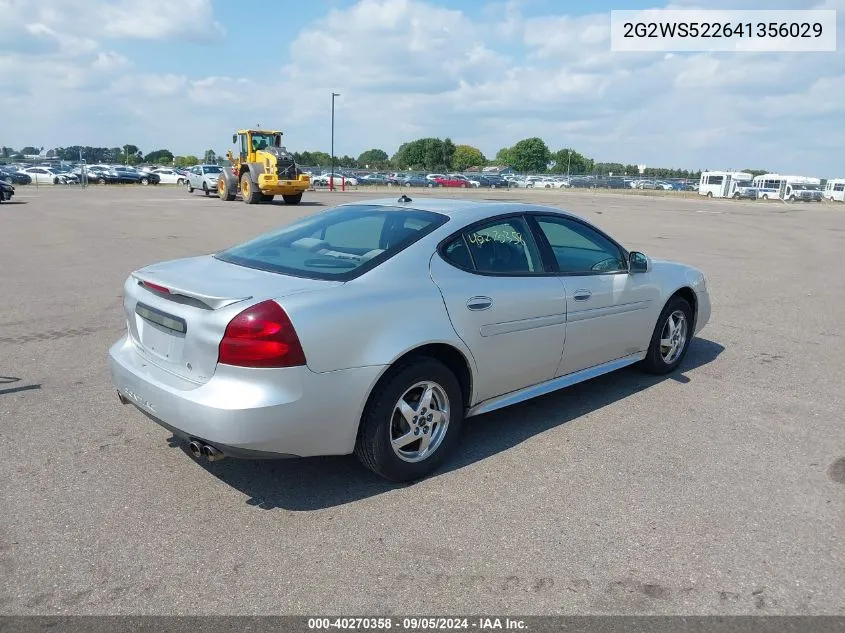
{"x": 688, "y": 30}
{"x": 417, "y": 623}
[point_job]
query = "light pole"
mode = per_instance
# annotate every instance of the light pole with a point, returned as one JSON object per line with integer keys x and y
{"x": 331, "y": 173}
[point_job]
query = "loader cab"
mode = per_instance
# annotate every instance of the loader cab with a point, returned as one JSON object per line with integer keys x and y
{"x": 251, "y": 141}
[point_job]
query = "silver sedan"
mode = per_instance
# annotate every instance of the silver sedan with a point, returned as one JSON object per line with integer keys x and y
{"x": 377, "y": 327}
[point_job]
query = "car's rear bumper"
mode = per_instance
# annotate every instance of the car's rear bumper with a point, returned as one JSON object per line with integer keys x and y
{"x": 244, "y": 411}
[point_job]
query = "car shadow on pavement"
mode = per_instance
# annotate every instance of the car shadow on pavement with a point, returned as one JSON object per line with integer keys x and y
{"x": 323, "y": 482}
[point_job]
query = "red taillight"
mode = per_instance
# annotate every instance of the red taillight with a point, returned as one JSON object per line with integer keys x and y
{"x": 155, "y": 287}
{"x": 261, "y": 336}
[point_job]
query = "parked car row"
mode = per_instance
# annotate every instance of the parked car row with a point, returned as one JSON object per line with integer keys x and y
{"x": 339, "y": 179}
{"x": 63, "y": 174}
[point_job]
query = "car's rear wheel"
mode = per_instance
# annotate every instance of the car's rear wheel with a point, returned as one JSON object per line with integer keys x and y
{"x": 412, "y": 420}
{"x": 145, "y": 181}
{"x": 205, "y": 189}
{"x": 671, "y": 338}
{"x": 190, "y": 187}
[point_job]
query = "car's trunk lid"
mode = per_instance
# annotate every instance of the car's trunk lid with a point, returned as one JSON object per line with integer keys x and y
{"x": 177, "y": 311}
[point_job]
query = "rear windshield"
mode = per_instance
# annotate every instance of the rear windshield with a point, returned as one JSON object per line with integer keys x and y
{"x": 338, "y": 244}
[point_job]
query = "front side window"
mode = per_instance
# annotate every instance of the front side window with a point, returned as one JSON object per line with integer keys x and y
{"x": 579, "y": 249}
{"x": 336, "y": 244}
{"x": 501, "y": 247}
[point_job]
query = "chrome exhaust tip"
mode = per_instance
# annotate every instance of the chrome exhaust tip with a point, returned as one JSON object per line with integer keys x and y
{"x": 195, "y": 448}
{"x": 211, "y": 453}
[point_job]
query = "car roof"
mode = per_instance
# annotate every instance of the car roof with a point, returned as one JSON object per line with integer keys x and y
{"x": 460, "y": 209}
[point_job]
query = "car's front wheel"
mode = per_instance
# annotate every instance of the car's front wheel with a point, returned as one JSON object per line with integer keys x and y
{"x": 671, "y": 338}
{"x": 412, "y": 421}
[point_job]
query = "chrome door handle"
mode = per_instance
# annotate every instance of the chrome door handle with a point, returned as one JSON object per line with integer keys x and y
{"x": 479, "y": 303}
{"x": 582, "y": 295}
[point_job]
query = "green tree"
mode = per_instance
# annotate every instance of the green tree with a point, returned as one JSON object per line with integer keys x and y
{"x": 210, "y": 157}
{"x": 159, "y": 157}
{"x": 312, "y": 159}
{"x": 29, "y": 150}
{"x": 568, "y": 161}
{"x": 530, "y": 155}
{"x": 132, "y": 154}
{"x": 375, "y": 158}
{"x": 504, "y": 157}
{"x": 186, "y": 161}
{"x": 466, "y": 156}
{"x": 431, "y": 154}
{"x": 7, "y": 152}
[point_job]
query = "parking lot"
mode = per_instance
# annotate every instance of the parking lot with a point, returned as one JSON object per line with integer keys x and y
{"x": 718, "y": 490}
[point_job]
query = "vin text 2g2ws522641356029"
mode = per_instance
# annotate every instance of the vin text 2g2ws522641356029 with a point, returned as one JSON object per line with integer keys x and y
{"x": 303, "y": 342}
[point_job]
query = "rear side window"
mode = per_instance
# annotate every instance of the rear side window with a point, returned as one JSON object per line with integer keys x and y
{"x": 503, "y": 247}
{"x": 338, "y": 244}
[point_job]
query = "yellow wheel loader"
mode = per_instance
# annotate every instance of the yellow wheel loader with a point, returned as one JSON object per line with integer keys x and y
{"x": 262, "y": 170}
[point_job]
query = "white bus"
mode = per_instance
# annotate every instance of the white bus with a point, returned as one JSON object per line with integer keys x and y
{"x": 835, "y": 190}
{"x": 780, "y": 187}
{"x": 726, "y": 184}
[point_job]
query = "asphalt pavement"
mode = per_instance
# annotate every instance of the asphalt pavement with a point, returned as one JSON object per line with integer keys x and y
{"x": 717, "y": 490}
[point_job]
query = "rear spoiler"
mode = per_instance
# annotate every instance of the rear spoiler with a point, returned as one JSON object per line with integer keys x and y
{"x": 212, "y": 301}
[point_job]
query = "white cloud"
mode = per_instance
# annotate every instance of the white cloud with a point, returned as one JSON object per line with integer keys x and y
{"x": 112, "y": 19}
{"x": 410, "y": 68}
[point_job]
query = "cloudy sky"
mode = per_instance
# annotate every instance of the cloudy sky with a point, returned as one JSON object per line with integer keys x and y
{"x": 184, "y": 74}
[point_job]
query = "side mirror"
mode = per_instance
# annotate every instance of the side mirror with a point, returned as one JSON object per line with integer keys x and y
{"x": 638, "y": 262}
{"x": 234, "y": 139}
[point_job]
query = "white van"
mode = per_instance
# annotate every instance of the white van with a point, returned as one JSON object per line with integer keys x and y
{"x": 834, "y": 190}
{"x": 726, "y": 184}
{"x": 792, "y": 188}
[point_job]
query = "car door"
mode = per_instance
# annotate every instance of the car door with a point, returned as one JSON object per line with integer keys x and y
{"x": 194, "y": 178}
{"x": 503, "y": 304}
{"x": 608, "y": 315}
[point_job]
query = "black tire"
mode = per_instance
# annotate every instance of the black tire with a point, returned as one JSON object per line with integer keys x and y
{"x": 190, "y": 188}
{"x": 181, "y": 181}
{"x": 292, "y": 198}
{"x": 56, "y": 180}
{"x": 250, "y": 193}
{"x": 205, "y": 189}
{"x": 101, "y": 181}
{"x": 267, "y": 197}
{"x": 224, "y": 189}
{"x": 145, "y": 181}
{"x": 709, "y": 194}
{"x": 373, "y": 447}
{"x": 654, "y": 362}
